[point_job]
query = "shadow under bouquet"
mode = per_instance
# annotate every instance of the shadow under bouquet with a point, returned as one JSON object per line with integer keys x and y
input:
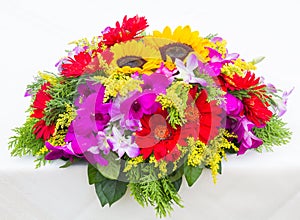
{"x": 145, "y": 111}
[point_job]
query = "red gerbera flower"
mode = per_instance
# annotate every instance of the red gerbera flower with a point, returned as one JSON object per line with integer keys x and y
{"x": 129, "y": 30}
{"x": 40, "y": 129}
{"x": 203, "y": 117}
{"x": 158, "y": 136}
{"x": 41, "y": 99}
{"x": 237, "y": 82}
{"x": 256, "y": 111}
{"x": 77, "y": 66}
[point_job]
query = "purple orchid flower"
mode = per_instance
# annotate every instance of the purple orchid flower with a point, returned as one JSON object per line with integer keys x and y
{"x": 102, "y": 142}
{"x": 57, "y": 152}
{"x": 93, "y": 114}
{"x": 155, "y": 82}
{"x": 216, "y": 39}
{"x": 186, "y": 72}
{"x": 242, "y": 127}
{"x": 216, "y": 60}
{"x": 84, "y": 90}
{"x": 80, "y": 143}
{"x": 121, "y": 144}
{"x": 282, "y": 103}
{"x": 139, "y": 104}
{"x": 28, "y": 93}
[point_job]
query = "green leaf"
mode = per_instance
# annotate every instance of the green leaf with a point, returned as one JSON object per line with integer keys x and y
{"x": 177, "y": 174}
{"x": 220, "y": 168}
{"x": 100, "y": 194}
{"x": 110, "y": 191}
{"x": 94, "y": 175}
{"x": 177, "y": 184}
{"x": 192, "y": 173}
{"x": 257, "y": 60}
{"x": 112, "y": 170}
{"x": 69, "y": 162}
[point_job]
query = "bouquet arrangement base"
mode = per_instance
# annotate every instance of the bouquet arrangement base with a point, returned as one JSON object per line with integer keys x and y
{"x": 148, "y": 111}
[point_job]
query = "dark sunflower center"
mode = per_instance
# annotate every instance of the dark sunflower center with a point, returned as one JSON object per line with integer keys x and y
{"x": 175, "y": 50}
{"x": 136, "y": 106}
{"x": 192, "y": 113}
{"x": 161, "y": 132}
{"x": 131, "y": 61}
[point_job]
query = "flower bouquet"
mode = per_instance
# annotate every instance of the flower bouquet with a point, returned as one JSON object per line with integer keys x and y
{"x": 146, "y": 111}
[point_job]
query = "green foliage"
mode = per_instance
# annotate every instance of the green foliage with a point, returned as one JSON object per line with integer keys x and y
{"x": 24, "y": 142}
{"x": 192, "y": 173}
{"x": 240, "y": 94}
{"x": 35, "y": 86}
{"x": 148, "y": 189}
{"x": 214, "y": 92}
{"x": 94, "y": 175}
{"x": 177, "y": 184}
{"x": 108, "y": 191}
{"x": 40, "y": 160}
{"x": 210, "y": 36}
{"x": 175, "y": 102}
{"x": 273, "y": 134}
{"x": 63, "y": 92}
{"x": 111, "y": 171}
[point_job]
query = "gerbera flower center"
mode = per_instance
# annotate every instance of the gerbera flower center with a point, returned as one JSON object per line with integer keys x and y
{"x": 192, "y": 113}
{"x": 131, "y": 61}
{"x": 161, "y": 132}
{"x": 175, "y": 50}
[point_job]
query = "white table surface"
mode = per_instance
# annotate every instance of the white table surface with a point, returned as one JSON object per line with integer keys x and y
{"x": 253, "y": 186}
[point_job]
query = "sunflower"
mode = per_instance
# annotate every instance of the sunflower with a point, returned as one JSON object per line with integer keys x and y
{"x": 180, "y": 43}
{"x": 133, "y": 56}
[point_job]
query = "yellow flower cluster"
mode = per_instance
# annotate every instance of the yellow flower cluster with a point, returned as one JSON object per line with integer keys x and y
{"x": 59, "y": 138}
{"x": 160, "y": 164}
{"x": 64, "y": 120}
{"x": 239, "y": 67}
{"x": 119, "y": 84}
{"x": 133, "y": 162}
{"x": 210, "y": 155}
{"x": 42, "y": 151}
{"x": 197, "y": 152}
{"x": 48, "y": 77}
{"x": 175, "y": 98}
{"x": 220, "y": 46}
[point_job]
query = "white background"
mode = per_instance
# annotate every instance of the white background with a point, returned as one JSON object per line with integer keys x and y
{"x": 34, "y": 35}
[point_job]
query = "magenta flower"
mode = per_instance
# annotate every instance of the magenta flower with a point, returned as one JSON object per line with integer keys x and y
{"x": 233, "y": 106}
{"x": 139, "y": 104}
{"x": 156, "y": 82}
{"x": 80, "y": 143}
{"x": 165, "y": 71}
{"x": 93, "y": 114}
{"x": 86, "y": 89}
{"x": 242, "y": 127}
{"x": 92, "y": 117}
{"x": 57, "y": 152}
{"x": 217, "y": 61}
